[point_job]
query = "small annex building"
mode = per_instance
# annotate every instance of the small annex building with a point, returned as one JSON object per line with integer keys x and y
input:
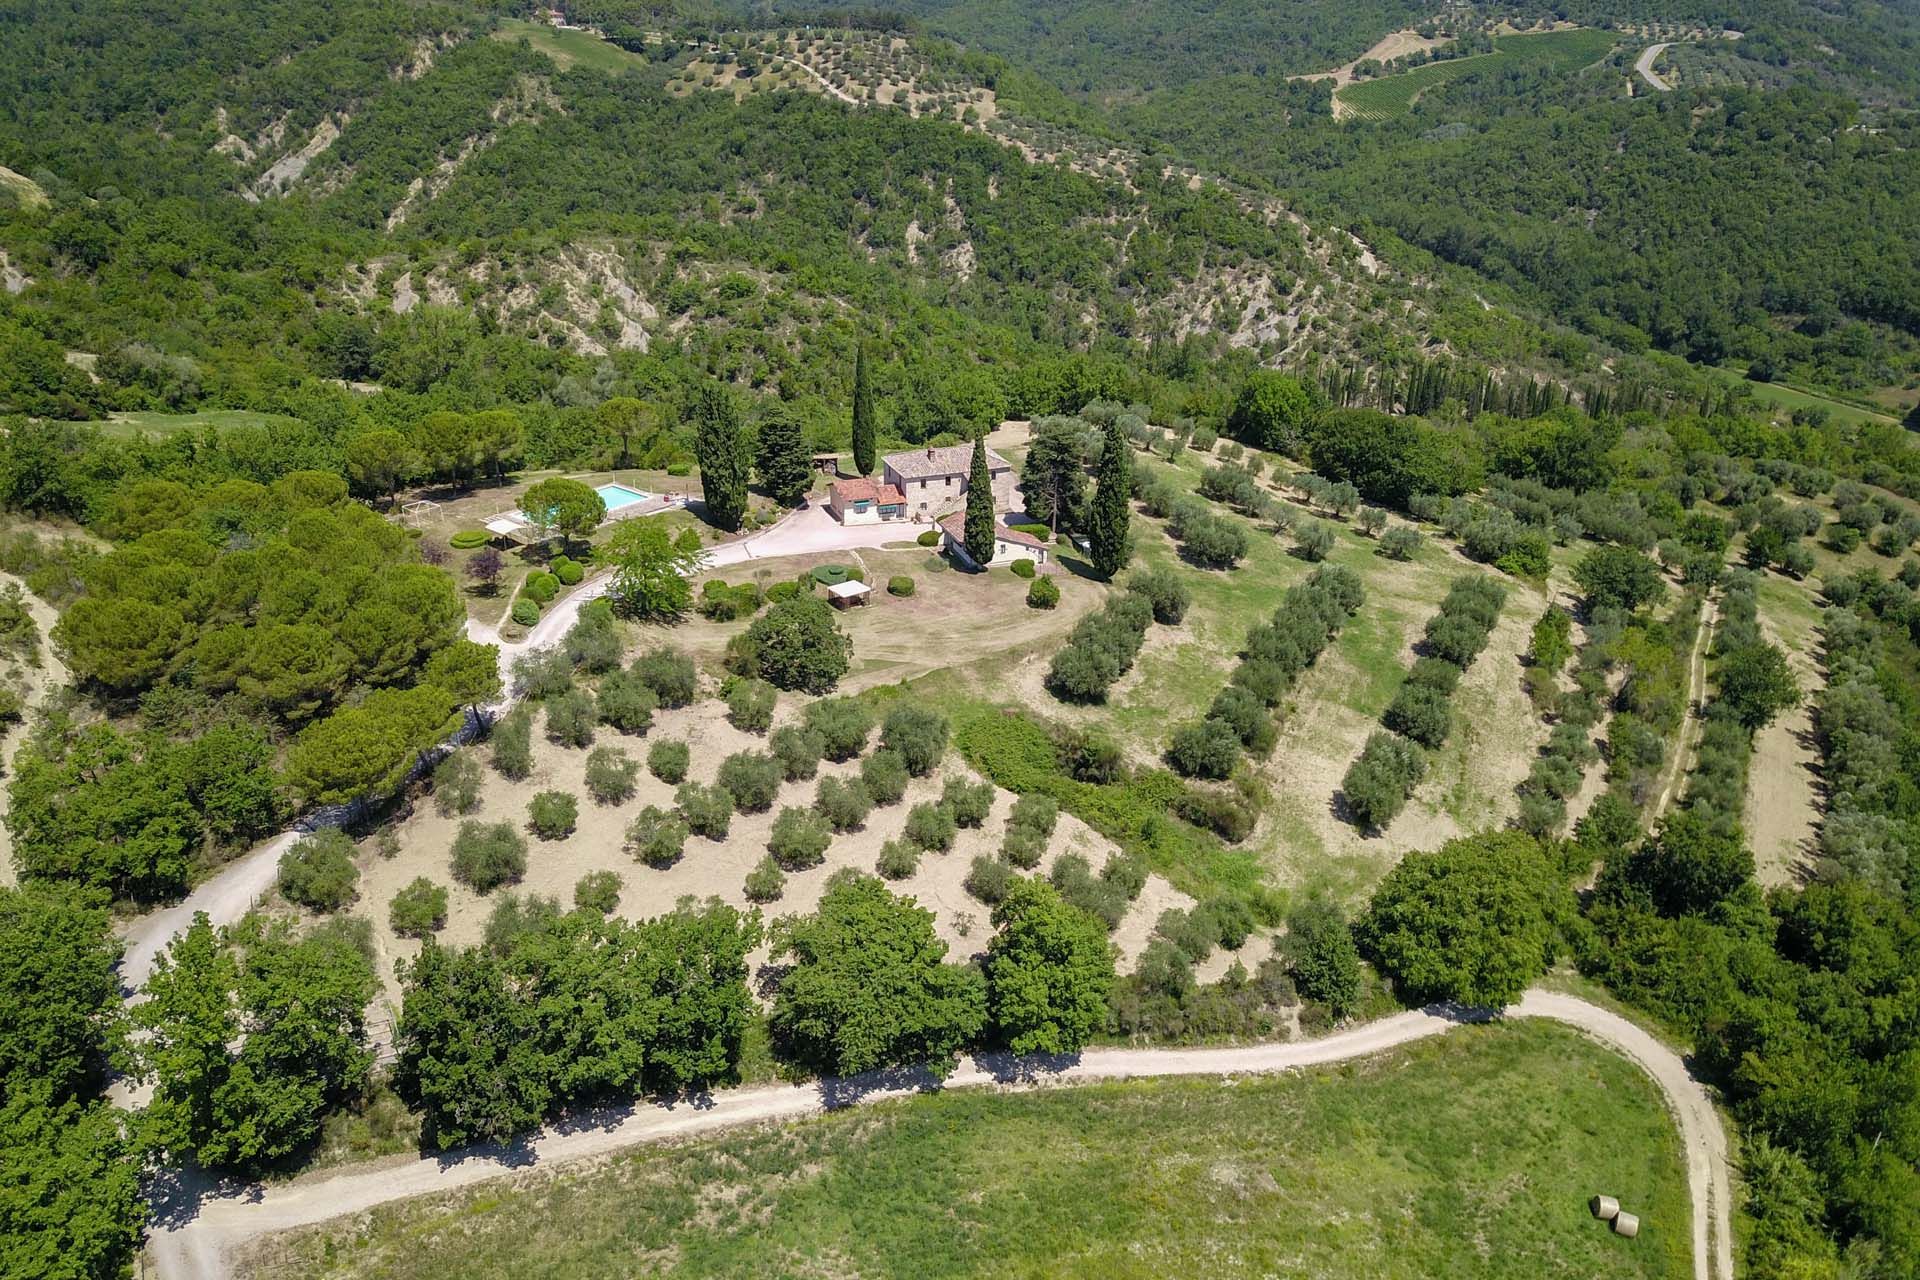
{"x": 862, "y": 501}
{"x": 934, "y": 480}
{"x": 1009, "y": 544}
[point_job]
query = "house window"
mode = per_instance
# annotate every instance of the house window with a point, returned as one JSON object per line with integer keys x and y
{"x": 890, "y": 509}
{"x": 861, "y": 506}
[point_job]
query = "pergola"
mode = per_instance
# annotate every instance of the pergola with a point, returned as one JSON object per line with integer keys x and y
{"x": 848, "y": 594}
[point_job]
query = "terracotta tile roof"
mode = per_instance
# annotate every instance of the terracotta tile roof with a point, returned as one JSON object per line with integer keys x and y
{"x": 863, "y": 490}
{"x": 956, "y": 524}
{"x": 931, "y": 464}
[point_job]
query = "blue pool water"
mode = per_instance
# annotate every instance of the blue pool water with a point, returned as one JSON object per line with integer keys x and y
{"x": 617, "y": 496}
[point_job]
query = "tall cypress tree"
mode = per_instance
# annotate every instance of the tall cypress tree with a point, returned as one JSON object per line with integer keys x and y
{"x": 1110, "y": 512}
{"x": 721, "y": 446}
{"x": 979, "y": 530}
{"x": 785, "y": 470}
{"x": 865, "y": 431}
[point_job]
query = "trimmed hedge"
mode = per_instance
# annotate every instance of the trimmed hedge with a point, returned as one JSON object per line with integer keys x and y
{"x": 1023, "y": 568}
{"x": 525, "y": 612}
{"x": 900, "y": 585}
{"x": 469, "y": 539}
{"x": 928, "y": 538}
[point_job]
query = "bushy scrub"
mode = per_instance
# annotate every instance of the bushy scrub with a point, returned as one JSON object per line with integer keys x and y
{"x": 1204, "y": 749}
{"x": 1402, "y": 542}
{"x": 752, "y": 778}
{"x": 1100, "y": 649}
{"x": 800, "y": 838}
{"x": 917, "y": 735}
{"x": 670, "y": 674}
{"x": 707, "y": 811}
{"x": 598, "y": 891}
{"x": 844, "y": 802}
{"x": 626, "y": 702}
{"x": 1165, "y": 593}
{"x": 844, "y": 725}
{"x": 668, "y": 761}
{"x": 418, "y": 909}
{"x": 1380, "y": 780}
{"x": 656, "y": 837}
{"x": 989, "y": 878}
{"x": 487, "y": 855}
{"x": 798, "y": 749}
{"x": 512, "y": 744}
{"x": 593, "y": 643}
{"x": 1043, "y": 594}
{"x": 456, "y": 785}
{"x": 766, "y": 882}
{"x": 611, "y": 774}
{"x": 898, "y": 859}
{"x": 571, "y": 717}
{"x": 750, "y": 705}
{"x": 1035, "y": 812}
{"x": 931, "y": 827}
{"x": 1422, "y": 714}
{"x": 1023, "y": 847}
{"x": 552, "y": 815}
{"x": 318, "y": 871}
{"x": 884, "y": 775}
{"x": 968, "y": 802}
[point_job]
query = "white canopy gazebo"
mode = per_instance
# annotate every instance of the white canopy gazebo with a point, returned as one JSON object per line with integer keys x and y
{"x": 846, "y": 595}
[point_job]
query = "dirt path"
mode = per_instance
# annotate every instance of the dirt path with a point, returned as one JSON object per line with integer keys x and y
{"x": 36, "y": 683}
{"x": 199, "y": 1242}
{"x": 1644, "y": 66}
{"x": 1783, "y": 790}
{"x": 1689, "y": 733}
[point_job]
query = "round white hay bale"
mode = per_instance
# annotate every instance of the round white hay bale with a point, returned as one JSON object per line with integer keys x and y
{"x": 1626, "y": 1224}
{"x": 1605, "y": 1208}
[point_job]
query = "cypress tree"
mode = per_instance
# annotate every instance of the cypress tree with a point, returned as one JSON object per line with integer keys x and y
{"x": 1109, "y": 513}
{"x": 979, "y": 530}
{"x": 865, "y": 431}
{"x": 721, "y": 446}
{"x": 785, "y": 469}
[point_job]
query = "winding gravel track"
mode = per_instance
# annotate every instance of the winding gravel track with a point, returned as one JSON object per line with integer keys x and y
{"x": 197, "y": 1241}
{"x": 1644, "y": 65}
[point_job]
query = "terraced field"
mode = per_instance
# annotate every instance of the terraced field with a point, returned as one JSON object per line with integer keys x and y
{"x": 1391, "y": 96}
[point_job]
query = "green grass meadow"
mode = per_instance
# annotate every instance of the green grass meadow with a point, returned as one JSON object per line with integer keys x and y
{"x": 1560, "y": 51}
{"x": 1468, "y": 1156}
{"x": 570, "y": 48}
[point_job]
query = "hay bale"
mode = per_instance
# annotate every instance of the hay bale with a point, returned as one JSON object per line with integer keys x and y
{"x": 1605, "y": 1208}
{"x": 1626, "y": 1224}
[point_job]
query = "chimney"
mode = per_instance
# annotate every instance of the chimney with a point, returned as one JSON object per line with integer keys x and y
{"x": 929, "y": 453}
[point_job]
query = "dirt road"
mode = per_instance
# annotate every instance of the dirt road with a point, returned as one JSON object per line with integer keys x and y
{"x": 1689, "y": 735}
{"x": 37, "y": 682}
{"x": 197, "y": 1242}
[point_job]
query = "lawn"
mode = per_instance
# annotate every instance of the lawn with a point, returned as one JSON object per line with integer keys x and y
{"x": 1472, "y": 1155}
{"x": 1555, "y": 50}
{"x": 570, "y": 48}
{"x": 1789, "y": 398}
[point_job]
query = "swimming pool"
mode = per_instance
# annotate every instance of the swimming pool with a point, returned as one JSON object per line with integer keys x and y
{"x": 617, "y": 496}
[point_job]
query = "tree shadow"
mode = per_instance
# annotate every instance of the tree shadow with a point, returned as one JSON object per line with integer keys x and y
{"x": 837, "y": 1092}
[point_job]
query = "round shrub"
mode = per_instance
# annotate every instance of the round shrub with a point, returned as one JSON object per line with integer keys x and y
{"x": 843, "y": 725}
{"x": 487, "y": 855}
{"x": 1204, "y": 749}
{"x": 568, "y": 571}
{"x": 525, "y": 612}
{"x": 1023, "y": 847}
{"x": 929, "y": 538}
{"x": 667, "y": 760}
{"x": 679, "y": 468}
{"x": 919, "y": 735}
{"x": 551, "y": 815}
{"x": 1424, "y": 715}
{"x": 670, "y": 674}
{"x": 752, "y": 778}
{"x": 1023, "y": 568}
{"x": 898, "y": 860}
{"x": 707, "y": 811}
{"x": 931, "y": 826}
{"x": 598, "y": 891}
{"x": 611, "y": 774}
{"x": 540, "y": 587}
{"x": 318, "y": 872}
{"x": 968, "y": 802}
{"x": 844, "y": 802}
{"x": 830, "y": 575}
{"x": 1378, "y": 782}
{"x": 766, "y": 882}
{"x": 884, "y": 775}
{"x": 571, "y": 717}
{"x": 1164, "y": 591}
{"x": 989, "y": 879}
{"x": 456, "y": 785}
{"x": 1043, "y": 594}
{"x": 799, "y": 839}
{"x": 512, "y": 743}
{"x": 656, "y": 837}
{"x": 750, "y": 705}
{"x": 469, "y": 539}
{"x": 798, "y": 749}
{"x": 1036, "y": 813}
{"x": 419, "y": 909}
{"x": 900, "y": 585}
{"x": 626, "y": 702}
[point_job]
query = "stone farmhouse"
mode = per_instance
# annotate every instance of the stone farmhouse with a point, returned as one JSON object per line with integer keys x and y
{"x": 934, "y": 481}
{"x": 1009, "y": 544}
